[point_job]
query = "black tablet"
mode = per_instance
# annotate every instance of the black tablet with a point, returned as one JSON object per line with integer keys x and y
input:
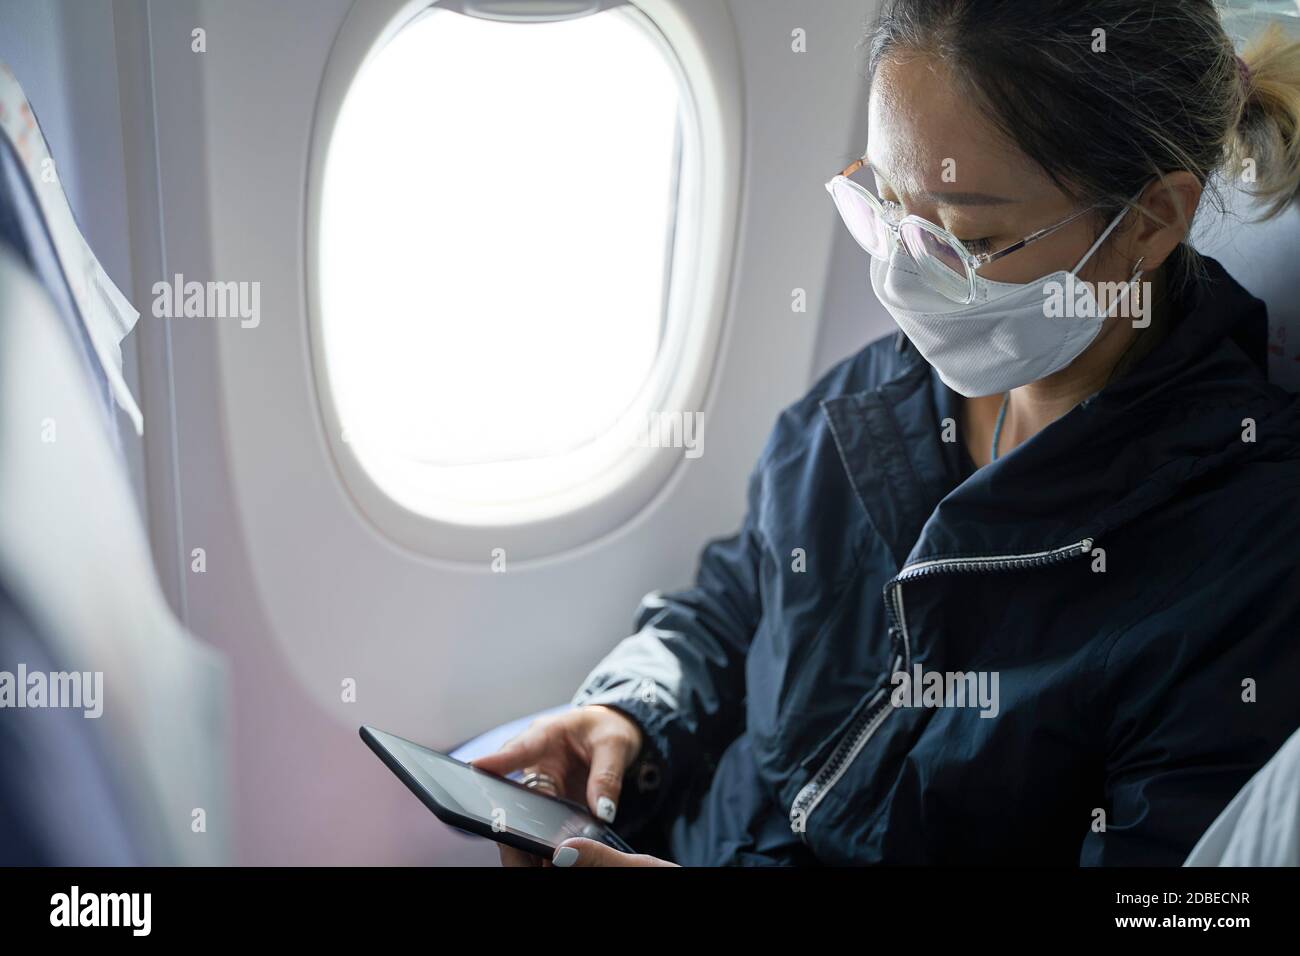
{"x": 486, "y": 805}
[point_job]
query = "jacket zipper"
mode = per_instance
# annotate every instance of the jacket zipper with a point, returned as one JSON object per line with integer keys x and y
{"x": 877, "y": 707}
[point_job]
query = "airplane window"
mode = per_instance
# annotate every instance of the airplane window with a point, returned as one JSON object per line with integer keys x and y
{"x": 498, "y": 216}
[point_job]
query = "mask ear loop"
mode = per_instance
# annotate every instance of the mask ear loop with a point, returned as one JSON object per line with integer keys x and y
{"x": 1102, "y": 238}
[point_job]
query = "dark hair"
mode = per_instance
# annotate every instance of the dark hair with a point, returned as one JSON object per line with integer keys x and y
{"x": 1106, "y": 95}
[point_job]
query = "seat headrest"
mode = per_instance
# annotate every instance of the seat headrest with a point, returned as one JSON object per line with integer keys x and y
{"x": 1261, "y": 256}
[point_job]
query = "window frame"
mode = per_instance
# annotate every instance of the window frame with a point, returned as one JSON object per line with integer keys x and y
{"x": 613, "y": 495}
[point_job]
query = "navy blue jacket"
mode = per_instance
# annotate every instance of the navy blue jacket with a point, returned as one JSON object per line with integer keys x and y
{"x": 1131, "y": 575}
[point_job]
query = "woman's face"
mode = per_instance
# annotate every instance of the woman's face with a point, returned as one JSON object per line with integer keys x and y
{"x": 932, "y": 152}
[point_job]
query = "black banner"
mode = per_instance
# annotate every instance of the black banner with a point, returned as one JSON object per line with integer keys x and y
{"x": 236, "y": 904}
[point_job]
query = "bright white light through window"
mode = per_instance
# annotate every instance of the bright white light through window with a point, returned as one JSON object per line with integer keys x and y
{"x": 494, "y": 252}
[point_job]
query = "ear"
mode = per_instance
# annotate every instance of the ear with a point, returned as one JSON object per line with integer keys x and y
{"x": 1166, "y": 208}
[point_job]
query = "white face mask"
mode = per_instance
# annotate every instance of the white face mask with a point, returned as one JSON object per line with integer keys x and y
{"x": 1002, "y": 340}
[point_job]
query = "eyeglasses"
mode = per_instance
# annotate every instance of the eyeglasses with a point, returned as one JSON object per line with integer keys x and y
{"x": 945, "y": 264}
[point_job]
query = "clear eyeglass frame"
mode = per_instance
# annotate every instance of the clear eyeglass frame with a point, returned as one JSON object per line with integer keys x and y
{"x": 945, "y": 263}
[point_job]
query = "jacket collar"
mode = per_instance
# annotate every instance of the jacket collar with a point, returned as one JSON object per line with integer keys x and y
{"x": 1174, "y": 417}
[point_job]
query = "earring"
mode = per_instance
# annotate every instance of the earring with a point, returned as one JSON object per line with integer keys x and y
{"x": 1137, "y": 289}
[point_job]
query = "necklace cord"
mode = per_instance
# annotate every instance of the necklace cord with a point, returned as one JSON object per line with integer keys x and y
{"x": 997, "y": 428}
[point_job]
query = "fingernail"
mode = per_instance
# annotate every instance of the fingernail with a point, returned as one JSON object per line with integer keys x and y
{"x": 605, "y": 809}
{"x": 565, "y": 856}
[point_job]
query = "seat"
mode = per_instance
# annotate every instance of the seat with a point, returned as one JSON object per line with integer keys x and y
{"x": 1261, "y": 826}
{"x": 81, "y": 595}
{"x": 143, "y": 781}
{"x": 1261, "y": 256}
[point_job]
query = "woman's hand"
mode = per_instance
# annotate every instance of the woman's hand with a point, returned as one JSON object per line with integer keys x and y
{"x": 585, "y": 751}
{"x": 580, "y": 851}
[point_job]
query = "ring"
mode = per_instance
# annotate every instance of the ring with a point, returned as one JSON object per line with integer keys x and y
{"x": 535, "y": 778}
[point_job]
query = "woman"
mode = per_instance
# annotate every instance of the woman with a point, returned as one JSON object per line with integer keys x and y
{"x": 1014, "y": 585}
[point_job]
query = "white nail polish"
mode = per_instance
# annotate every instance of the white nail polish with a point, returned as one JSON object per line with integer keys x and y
{"x": 605, "y": 809}
{"x": 565, "y": 856}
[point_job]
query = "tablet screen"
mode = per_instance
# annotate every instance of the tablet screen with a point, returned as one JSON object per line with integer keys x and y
{"x": 499, "y": 803}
